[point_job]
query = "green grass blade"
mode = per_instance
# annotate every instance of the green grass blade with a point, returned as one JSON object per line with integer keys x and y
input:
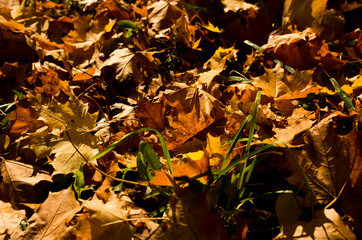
{"x": 233, "y": 164}
{"x": 233, "y": 79}
{"x": 235, "y": 140}
{"x": 253, "y": 122}
{"x": 241, "y": 182}
{"x": 128, "y": 135}
{"x": 346, "y": 99}
{"x": 200, "y": 9}
{"x": 256, "y": 47}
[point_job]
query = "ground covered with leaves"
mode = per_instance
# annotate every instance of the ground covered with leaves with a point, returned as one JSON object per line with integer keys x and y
{"x": 180, "y": 119}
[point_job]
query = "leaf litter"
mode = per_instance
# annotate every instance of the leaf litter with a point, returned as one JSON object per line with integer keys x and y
{"x": 159, "y": 119}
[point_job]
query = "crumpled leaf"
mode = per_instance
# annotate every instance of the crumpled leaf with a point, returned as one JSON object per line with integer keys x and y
{"x": 48, "y": 82}
{"x": 67, "y": 124}
{"x": 24, "y": 183}
{"x": 51, "y": 220}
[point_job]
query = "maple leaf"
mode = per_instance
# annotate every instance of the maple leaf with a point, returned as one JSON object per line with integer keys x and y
{"x": 193, "y": 111}
{"x": 151, "y": 114}
{"x": 126, "y": 63}
{"x": 67, "y": 124}
{"x": 163, "y": 14}
{"x": 216, "y": 64}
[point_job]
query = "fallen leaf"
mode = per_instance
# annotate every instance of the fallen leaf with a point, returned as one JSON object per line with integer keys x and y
{"x": 24, "y": 183}
{"x": 193, "y": 110}
{"x": 67, "y": 124}
{"x": 47, "y": 82}
{"x": 126, "y": 64}
{"x": 327, "y": 224}
{"x": 216, "y": 151}
{"x": 186, "y": 210}
{"x": 104, "y": 220}
{"x": 162, "y": 15}
{"x": 51, "y": 220}
{"x": 10, "y": 220}
{"x": 300, "y": 121}
{"x": 216, "y": 64}
{"x": 151, "y": 114}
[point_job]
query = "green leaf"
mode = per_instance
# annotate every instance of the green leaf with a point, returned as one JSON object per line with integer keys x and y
{"x": 4, "y": 122}
{"x": 79, "y": 182}
{"x": 18, "y": 94}
{"x": 346, "y": 99}
{"x": 147, "y": 161}
{"x": 127, "y": 24}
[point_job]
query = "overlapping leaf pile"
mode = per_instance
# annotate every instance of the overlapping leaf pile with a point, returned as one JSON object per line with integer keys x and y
{"x": 77, "y": 76}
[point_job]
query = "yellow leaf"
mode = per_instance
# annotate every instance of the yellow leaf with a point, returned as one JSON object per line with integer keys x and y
{"x": 212, "y": 28}
{"x": 109, "y": 26}
{"x": 216, "y": 151}
{"x": 347, "y": 89}
{"x": 196, "y": 44}
{"x": 357, "y": 83}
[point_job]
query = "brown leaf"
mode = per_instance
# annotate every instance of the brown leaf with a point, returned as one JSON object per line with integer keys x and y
{"x": 24, "y": 183}
{"x": 51, "y": 220}
{"x": 327, "y": 224}
{"x": 151, "y": 114}
{"x": 47, "y": 82}
{"x": 104, "y": 220}
{"x": 300, "y": 121}
{"x": 192, "y": 219}
{"x": 24, "y": 119}
{"x": 162, "y": 15}
{"x": 10, "y": 219}
{"x": 302, "y": 51}
{"x": 193, "y": 110}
